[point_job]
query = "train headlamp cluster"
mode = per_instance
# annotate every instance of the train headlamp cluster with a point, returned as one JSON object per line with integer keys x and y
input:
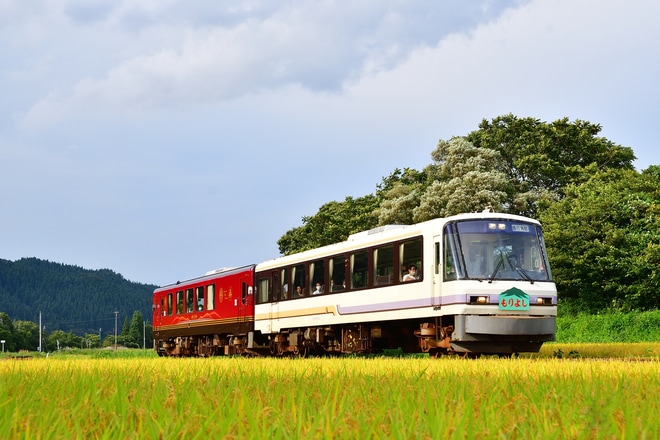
{"x": 479, "y": 299}
{"x": 495, "y": 226}
{"x": 485, "y": 299}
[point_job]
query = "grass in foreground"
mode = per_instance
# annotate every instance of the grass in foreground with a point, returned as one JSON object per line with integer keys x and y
{"x": 329, "y": 398}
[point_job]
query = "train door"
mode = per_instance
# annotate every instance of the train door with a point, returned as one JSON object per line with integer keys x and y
{"x": 158, "y": 311}
{"x": 436, "y": 299}
{"x": 244, "y": 302}
{"x": 275, "y": 295}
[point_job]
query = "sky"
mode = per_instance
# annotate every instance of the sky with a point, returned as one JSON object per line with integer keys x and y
{"x": 162, "y": 139}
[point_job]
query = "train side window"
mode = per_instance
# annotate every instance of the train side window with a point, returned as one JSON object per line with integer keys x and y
{"x": 285, "y": 283}
{"x": 276, "y": 287}
{"x": 210, "y": 295}
{"x": 163, "y": 310}
{"x": 169, "y": 304}
{"x": 179, "y": 302}
{"x": 200, "y": 298}
{"x": 337, "y": 273}
{"x": 317, "y": 275}
{"x": 263, "y": 286}
{"x": 298, "y": 277}
{"x": 189, "y": 300}
{"x": 359, "y": 269}
{"x": 383, "y": 265}
{"x": 410, "y": 254}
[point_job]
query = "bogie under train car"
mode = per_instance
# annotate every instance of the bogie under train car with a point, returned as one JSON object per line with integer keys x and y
{"x": 468, "y": 284}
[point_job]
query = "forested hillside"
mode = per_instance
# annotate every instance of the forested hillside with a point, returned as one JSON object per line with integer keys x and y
{"x": 70, "y": 298}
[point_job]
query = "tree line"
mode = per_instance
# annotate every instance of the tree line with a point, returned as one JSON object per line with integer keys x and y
{"x": 599, "y": 214}
{"x": 24, "y": 335}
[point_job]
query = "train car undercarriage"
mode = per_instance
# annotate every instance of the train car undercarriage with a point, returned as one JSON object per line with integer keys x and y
{"x": 442, "y": 336}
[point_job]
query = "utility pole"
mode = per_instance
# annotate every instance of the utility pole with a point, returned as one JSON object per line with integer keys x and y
{"x": 39, "y": 331}
{"x": 116, "y": 313}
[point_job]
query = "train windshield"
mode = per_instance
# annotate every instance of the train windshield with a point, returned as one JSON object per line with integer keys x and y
{"x": 495, "y": 250}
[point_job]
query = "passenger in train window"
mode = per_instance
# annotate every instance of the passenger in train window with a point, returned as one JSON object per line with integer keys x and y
{"x": 335, "y": 287}
{"x": 412, "y": 273}
{"x": 318, "y": 290}
{"x": 299, "y": 292}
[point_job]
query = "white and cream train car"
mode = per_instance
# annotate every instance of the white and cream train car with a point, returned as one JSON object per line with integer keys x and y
{"x": 467, "y": 284}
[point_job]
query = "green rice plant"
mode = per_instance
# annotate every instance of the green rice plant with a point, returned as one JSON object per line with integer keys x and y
{"x": 408, "y": 398}
{"x": 613, "y": 350}
{"x": 611, "y": 326}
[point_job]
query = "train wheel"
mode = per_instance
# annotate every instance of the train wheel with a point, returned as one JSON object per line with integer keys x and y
{"x": 351, "y": 341}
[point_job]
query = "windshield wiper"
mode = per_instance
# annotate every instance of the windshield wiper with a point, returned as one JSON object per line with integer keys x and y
{"x": 513, "y": 263}
{"x": 499, "y": 264}
{"x": 524, "y": 274}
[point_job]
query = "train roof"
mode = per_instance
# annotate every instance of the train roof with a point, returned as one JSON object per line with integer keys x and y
{"x": 383, "y": 234}
{"x": 211, "y": 275}
{"x": 357, "y": 240}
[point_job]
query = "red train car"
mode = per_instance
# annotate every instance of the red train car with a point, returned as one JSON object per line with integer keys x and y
{"x": 205, "y": 316}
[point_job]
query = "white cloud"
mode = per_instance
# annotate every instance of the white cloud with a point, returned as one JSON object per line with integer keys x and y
{"x": 169, "y": 124}
{"x": 319, "y": 46}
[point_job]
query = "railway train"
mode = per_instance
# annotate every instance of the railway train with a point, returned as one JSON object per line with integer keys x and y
{"x": 466, "y": 285}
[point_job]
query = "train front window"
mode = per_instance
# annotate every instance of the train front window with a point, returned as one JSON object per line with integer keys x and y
{"x": 496, "y": 249}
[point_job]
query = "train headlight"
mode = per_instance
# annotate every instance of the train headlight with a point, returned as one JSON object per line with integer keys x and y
{"x": 478, "y": 299}
{"x": 543, "y": 301}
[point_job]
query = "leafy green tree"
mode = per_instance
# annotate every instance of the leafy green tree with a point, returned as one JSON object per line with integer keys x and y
{"x": 7, "y": 332}
{"x": 149, "y": 332}
{"x": 540, "y": 159}
{"x": 59, "y": 339}
{"x": 126, "y": 327}
{"x": 465, "y": 179}
{"x": 27, "y": 335}
{"x": 400, "y": 194}
{"x": 603, "y": 242}
{"x": 91, "y": 340}
{"x": 135, "y": 330}
{"x": 399, "y": 204}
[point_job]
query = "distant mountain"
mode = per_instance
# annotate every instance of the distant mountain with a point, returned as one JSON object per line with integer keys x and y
{"x": 70, "y": 298}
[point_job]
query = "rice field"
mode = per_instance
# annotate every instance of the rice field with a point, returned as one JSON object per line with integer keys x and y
{"x": 400, "y": 398}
